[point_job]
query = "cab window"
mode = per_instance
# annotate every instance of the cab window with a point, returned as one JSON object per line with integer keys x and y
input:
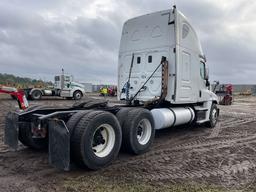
{"x": 67, "y": 78}
{"x": 138, "y": 60}
{"x": 150, "y": 59}
{"x": 202, "y": 70}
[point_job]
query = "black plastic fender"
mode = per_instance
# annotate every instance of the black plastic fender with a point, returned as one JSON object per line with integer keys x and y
{"x": 11, "y": 130}
{"x": 59, "y": 144}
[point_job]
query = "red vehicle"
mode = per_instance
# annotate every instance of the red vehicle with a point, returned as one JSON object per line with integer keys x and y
{"x": 225, "y": 93}
{"x": 112, "y": 91}
{"x": 19, "y": 95}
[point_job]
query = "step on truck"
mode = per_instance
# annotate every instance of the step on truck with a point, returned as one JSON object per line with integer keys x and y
{"x": 162, "y": 75}
{"x": 64, "y": 86}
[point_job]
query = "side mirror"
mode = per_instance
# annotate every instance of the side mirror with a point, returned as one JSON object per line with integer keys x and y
{"x": 207, "y": 83}
{"x": 206, "y": 74}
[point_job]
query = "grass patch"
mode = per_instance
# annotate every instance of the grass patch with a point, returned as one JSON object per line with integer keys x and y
{"x": 101, "y": 184}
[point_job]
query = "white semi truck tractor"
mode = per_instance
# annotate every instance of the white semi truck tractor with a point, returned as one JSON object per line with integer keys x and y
{"x": 162, "y": 76}
{"x": 64, "y": 86}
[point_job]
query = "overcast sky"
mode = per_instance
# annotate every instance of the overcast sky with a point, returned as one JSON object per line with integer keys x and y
{"x": 39, "y": 37}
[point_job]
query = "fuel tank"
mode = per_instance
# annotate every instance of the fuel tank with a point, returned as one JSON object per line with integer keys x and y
{"x": 169, "y": 117}
{"x": 48, "y": 92}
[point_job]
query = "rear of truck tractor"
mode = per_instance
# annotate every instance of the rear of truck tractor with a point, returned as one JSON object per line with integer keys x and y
{"x": 89, "y": 135}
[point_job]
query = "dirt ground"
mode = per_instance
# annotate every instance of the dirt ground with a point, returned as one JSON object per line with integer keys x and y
{"x": 223, "y": 157}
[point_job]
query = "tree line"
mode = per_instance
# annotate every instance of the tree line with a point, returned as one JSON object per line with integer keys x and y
{"x": 21, "y": 82}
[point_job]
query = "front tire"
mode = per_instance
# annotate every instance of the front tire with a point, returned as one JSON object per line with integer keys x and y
{"x": 138, "y": 131}
{"x": 96, "y": 140}
{"x": 77, "y": 95}
{"x": 214, "y": 115}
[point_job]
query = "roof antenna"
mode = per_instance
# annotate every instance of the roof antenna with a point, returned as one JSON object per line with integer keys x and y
{"x": 174, "y": 6}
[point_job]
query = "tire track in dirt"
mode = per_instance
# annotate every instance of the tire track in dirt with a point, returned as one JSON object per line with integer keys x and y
{"x": 199, "y": 145}
{"x": 198, "y": 142}
{"x": 179, "y": 145}
{"x": 175, "y": 165}
{"x": 201, "y": 138}
{"x": 202, "y": 145}
{"x": 206, "y": 173}
{"x": 221, "y": 126}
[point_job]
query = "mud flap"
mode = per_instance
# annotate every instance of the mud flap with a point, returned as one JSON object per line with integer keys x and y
{"x": 11, "y": 130}
{"x": 59, "y": 145}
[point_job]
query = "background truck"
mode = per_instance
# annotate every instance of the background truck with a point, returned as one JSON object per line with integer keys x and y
{"x": 162, "y": 75}
{"x": 64, "y": 86}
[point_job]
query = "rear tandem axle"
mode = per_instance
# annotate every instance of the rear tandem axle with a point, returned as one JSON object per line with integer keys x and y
{"x": 88, "y": 133}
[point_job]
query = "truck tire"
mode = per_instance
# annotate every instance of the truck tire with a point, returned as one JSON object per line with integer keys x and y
{"x": 36, "y": 95}
{"x": 213, "y": 116}
{"x": 121, "y": 115}
{"x": 77, "y": 95}
{"x": 71, "y": 124}
{"x": 74, "y": 119}
{"x": 138, "y": 131}
{"x": 25, "y": 135}
{"x": 96, "y": 140}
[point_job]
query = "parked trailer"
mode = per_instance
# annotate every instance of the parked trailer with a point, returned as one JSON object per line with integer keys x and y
{"x": 162, "y": 75}
{"x": 64, "y": 86}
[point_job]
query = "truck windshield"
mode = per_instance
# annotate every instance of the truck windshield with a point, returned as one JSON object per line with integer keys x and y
{"x": 57, "y": 78}
{"x": 67, "y": 78}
